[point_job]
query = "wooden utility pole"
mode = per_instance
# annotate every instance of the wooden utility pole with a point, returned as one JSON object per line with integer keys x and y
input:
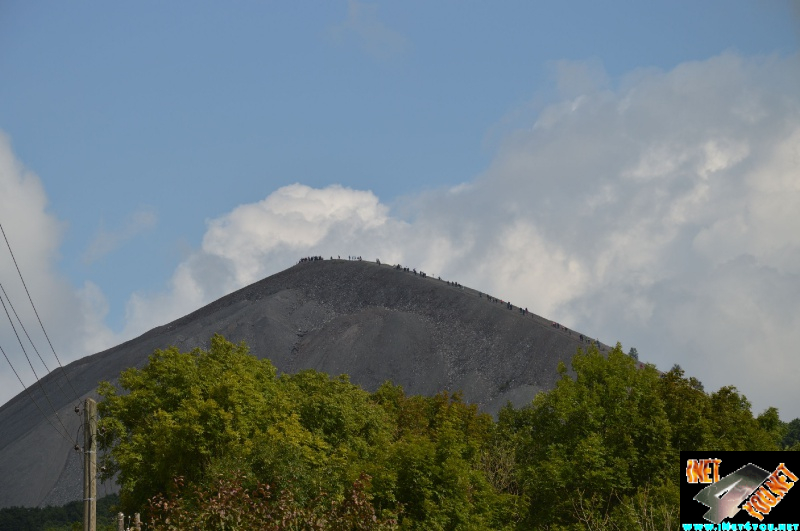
{"x": 89, "y": 465}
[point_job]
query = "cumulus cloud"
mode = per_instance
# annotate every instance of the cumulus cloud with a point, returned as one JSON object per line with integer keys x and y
{"x": 661, "y": 212}
{"x": 34, "y": 236}
{"x": 258, "y": 239}
{"x": 672, "y": 200}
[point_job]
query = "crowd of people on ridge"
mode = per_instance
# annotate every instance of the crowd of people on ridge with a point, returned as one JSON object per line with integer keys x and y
{"x": 315, "y": 258}
{"x": 410, "y": 270}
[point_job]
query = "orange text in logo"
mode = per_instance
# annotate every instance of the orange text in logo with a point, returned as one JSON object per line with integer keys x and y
{"x": 770, "y": 493}
{"x": 701, "y": 470}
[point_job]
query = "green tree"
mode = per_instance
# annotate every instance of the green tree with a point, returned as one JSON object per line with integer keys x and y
{"x": 719, "y": 421}
{"x": 215, "y": 438}
{"x": 227, "y": 426}
{"x": 203, "y": 415}
{"x": 688, "y": 410}
{"x": 792, "y": 437}
{"x": 434, "y": 467}
{"x": 60, "y": 518}
{"x": 331, "y": 434}
{"x": 593, "y": 441}
{"x": 733, "y": 426}
{"x": 181, "y": 413}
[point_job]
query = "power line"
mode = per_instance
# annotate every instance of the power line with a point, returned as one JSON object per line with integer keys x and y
{"x": 27, "y": 391}
{"x": 31, "y": 340}
{"x": 38, "y": 381}
{"x": 37, "y": 313}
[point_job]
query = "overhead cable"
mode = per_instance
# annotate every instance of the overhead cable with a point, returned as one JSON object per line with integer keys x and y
{"x": 38, "y": 381}
{"x": 77, "y": 396}
{"x": 27, "y": 391}
{"x": 31, "y": 340}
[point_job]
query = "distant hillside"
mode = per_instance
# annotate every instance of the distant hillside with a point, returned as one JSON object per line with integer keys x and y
{"x": 373, "y": 322}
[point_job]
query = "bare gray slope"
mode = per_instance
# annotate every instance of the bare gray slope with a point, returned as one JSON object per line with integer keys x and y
{"x": 375, "y": 323}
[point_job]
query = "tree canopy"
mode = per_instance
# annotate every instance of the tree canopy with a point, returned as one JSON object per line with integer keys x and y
{"x": 213, "y": 437}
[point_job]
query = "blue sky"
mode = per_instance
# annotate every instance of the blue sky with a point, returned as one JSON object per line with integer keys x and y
{"x": 627, "y": 169}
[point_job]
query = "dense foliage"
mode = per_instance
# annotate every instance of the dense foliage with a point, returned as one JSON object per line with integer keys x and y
{"x": 216, "y": 439}
{"x": 231, "y": 505}
{"x": 61, "y": 518}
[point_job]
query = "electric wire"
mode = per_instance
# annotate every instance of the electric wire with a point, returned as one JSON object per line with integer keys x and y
{"x": 38, "y": 381}
{"x": 65, "y": 434}
{"x": 27, "y": 391}
{"x": 77, "y": 434}
{"x": 58, "y": 382}
{"x": 77, "y": 396}
{"x": 81, "y": 448}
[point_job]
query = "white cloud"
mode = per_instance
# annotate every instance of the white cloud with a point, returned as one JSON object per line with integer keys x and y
{"x": 34, "y": 236}
{"x": 661, "y": 212}
{"x": 258, "y": 239}
{"x": 294, "y": 217}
